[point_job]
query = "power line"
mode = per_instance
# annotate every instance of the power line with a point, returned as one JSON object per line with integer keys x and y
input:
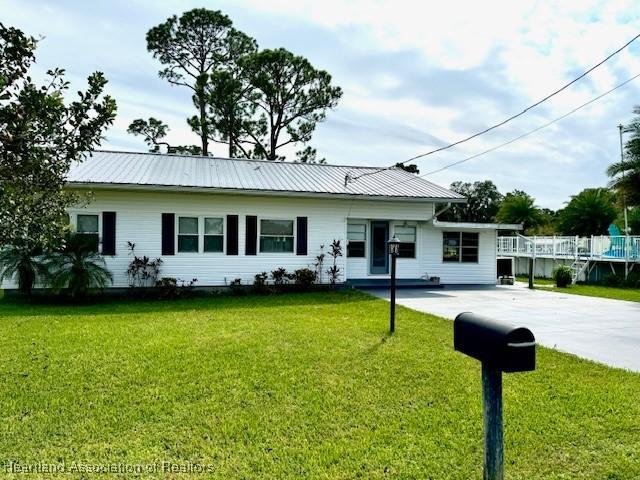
{"x": 519, "y": 137}
{"x": 509, "y": 119}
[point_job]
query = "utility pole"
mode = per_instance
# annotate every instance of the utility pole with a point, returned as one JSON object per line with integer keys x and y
{"x": 624, "y": 207}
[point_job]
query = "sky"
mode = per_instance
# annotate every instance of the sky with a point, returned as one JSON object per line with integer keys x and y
{"x": 415, "y": 76}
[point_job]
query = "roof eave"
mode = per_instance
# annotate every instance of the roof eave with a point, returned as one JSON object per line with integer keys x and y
{"x": 255, "y": 192}
{"x": 478, "y": 226}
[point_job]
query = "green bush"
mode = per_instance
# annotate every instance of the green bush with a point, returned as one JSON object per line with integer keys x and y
{"x": 260, "y": 283}
{"x": 562, "y": 276}
{"x": 305, "y": 277}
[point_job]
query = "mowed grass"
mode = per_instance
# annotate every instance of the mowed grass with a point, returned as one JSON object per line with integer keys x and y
{"x": 615, "y": 293}
{"x": 292, "y": 386}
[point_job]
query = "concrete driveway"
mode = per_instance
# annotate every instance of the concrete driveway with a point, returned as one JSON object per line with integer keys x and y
{"x": 599, "y": 329}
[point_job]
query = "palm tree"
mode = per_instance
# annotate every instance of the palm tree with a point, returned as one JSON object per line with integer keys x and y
{"x": 588, "y": 213}
{"x": 22, "y": 265}
{"x": 77, "y": 268}
{"x": 626, "y": 172}
{"x": 518, "y": 207}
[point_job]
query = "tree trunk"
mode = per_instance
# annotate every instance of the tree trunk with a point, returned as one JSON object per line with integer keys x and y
{"x": 204, "y": 130}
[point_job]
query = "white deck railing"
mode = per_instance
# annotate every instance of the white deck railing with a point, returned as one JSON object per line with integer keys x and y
{"x": 601, "y": 247}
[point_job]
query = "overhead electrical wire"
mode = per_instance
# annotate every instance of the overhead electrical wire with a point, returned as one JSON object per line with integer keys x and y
{"x": 507, "y": 120}
{"x": 519, "y": 137}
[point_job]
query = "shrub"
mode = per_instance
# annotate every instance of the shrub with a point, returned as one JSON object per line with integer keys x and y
{"x": 260, "y": 283}
{"x": 279, "y": 276}
{"x": 236, "y": 287}
{"x": 305, "y": 277}
{"x": 562, "y": 276}
{"x": 23, "y": 266}
{"x": 142, "y": 271}
{"x": 334, "y": 270}
{"x": 613, "y": 280}
{"x": 169, "y": 288}
{"x": 77, "y": 268}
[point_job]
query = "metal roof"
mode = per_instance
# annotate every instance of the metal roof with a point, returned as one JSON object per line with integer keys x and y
{"x": 157, "y": 171}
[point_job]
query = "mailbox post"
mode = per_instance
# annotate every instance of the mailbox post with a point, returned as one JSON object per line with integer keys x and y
{"x": 501, "y": 348}
{"x": 394, "y": 250}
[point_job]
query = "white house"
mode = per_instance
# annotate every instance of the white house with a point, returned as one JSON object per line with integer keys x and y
{"x": 220, "y": 219}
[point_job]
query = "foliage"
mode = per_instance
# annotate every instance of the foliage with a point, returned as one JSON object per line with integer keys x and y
{"x": 208, "y": 374}
{"x": 153, "y": 131}
{"x": 231, "y": 100}
{"x": 518, "y": 207}
{"x": 291, "y": 97}
{"x": 625, "y": 173}
{"x": 483, "y": 202}
{"x": 335, "y": 251}
{"x": 142, "y": 271}
{"x": 77, "y": 268}
{"x": 588, "y": 213}
{"x": 305, "y": 277}
{"x": 40, "y": 136}
{"x": 236, "y": 287}
{"x": 279, "y": 276}
{"x": 190, "y": 48}
{"x": 260, "y": 283}
{"x": 169, "y": 288}
{"x": 411, "y": 168}
{"x": 562, "y": 276}
{"x": 22, "y": 265}
{"x": 319, "y": 264}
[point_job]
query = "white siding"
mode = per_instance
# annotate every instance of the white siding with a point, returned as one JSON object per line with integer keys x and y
{"x": 138, "y": 220}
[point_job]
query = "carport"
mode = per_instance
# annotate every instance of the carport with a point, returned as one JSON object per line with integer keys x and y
{"x": 599, "y": 329}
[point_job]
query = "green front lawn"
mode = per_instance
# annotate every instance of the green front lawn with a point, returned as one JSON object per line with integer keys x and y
{"x": 293, "y": 386}
{"x": 615, "y": 293}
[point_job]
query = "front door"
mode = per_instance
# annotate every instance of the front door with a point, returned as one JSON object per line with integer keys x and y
{"x": 379, "y": 238}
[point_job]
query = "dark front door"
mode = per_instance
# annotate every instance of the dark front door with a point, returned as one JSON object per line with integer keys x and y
{"x": 379, "y": 238}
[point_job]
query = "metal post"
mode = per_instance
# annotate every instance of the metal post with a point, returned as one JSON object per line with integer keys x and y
{"x": 530, "y": 272}
{"x": 392, "y": 313}
{"x": 493, "y": 431}
{"x": 624, "y": 207}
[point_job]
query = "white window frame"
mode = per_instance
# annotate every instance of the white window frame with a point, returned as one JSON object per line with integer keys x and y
{"x": 295, "y": 235}
{"x": 73, "y": 219}
{"x": 415, "y": 243}
{"x": 460, "y": 247}
{"x": 366, "y": 231}
{"x": 201, "y": 235}
{"x": 224, "y": 234}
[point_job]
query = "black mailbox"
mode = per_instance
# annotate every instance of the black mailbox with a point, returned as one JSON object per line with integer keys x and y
{"x": 498, "y": 345}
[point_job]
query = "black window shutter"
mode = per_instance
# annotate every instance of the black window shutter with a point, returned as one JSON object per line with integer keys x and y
{"x": 251, "y": 240}
{"x": 108, "y": 233}
{"x": 232, "y": 234}
{"x": 168, "y": 234}
{"x": 301, "y": 239}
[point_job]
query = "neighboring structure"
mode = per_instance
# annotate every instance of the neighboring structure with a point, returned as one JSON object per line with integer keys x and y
{"x": 590, "y": 258}
{"x": 219, "y": 219}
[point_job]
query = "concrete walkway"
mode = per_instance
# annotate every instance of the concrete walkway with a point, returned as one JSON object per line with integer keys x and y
{"x": 599, "y": 329}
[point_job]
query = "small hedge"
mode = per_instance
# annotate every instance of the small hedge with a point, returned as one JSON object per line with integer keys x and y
{"x": 562, "y": 276}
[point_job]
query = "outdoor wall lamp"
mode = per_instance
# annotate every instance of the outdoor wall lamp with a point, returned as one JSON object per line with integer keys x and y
{"x": 394, "y": 249}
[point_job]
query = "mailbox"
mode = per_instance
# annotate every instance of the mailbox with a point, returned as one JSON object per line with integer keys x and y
{"x": 497, "y": 345}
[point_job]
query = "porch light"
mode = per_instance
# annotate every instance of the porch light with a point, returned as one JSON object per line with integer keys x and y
{"x": 394, "y": 246}
{"x": 394, "y": 250}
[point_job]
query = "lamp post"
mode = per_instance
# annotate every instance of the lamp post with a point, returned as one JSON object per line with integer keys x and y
{"x": 394, "y": 250}
{"x": 624, "y": 207}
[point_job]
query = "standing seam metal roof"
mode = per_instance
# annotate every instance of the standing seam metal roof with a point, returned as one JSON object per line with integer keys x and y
{"x": 148, "y": 169}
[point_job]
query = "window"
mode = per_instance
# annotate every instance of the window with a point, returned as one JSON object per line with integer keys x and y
{"x": 356, "y": 238}
{"x": 187, "y": 234}
{"x": 87, "y": 226}
{"x": 460, "y": 247}
{"x": 276, "y": 236}
{"x": 407, "y": 237}
{"x": 213, "y": 234}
